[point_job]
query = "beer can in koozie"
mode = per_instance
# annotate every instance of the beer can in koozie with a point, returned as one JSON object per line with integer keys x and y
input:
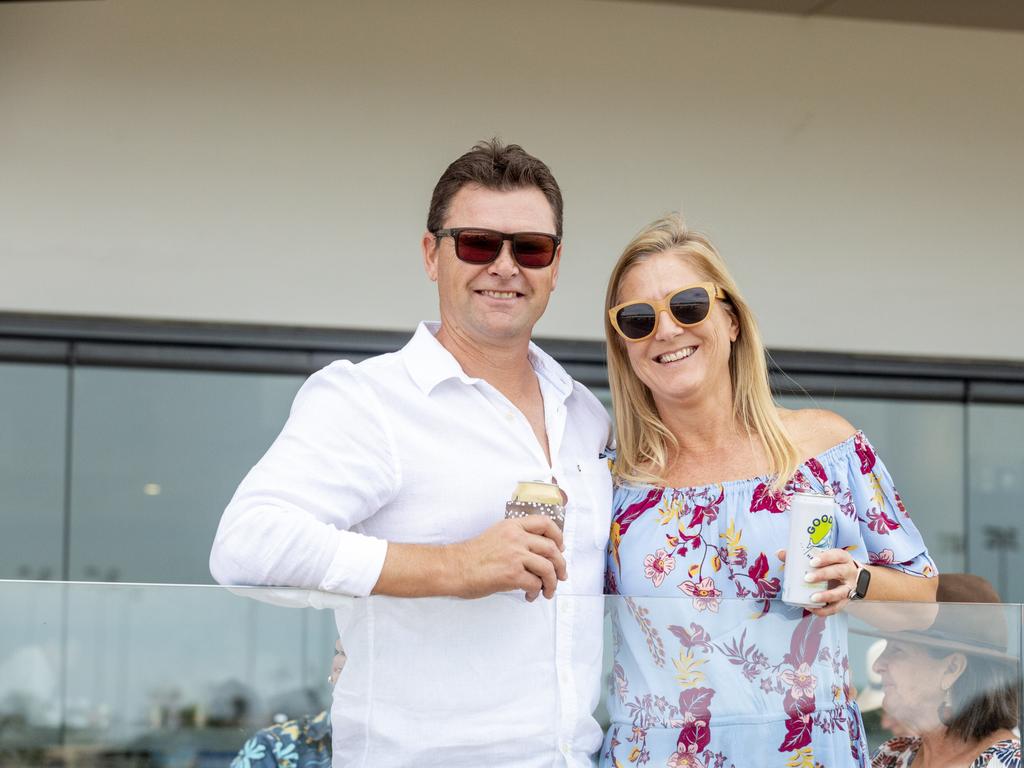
{"x": 538, "y": 498}
{"x": 812, "y": 530}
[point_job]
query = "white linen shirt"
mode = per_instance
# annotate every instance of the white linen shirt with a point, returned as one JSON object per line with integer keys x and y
{"x": 406, "y": 447}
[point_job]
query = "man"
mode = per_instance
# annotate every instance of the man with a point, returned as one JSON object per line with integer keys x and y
{"x": 390, "y": 479}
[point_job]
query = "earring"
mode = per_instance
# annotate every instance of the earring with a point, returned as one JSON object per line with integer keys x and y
{"x": 946, "y": 708}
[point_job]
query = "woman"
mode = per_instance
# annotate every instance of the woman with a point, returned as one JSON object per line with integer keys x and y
{"x": 954, "y": 685}
{"x": 703, "y": 462}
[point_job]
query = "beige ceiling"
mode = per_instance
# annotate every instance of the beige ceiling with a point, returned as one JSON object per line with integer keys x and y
{"x": 988, "y": 14}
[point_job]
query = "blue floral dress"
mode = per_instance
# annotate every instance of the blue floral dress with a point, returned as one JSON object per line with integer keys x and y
{"x": 710, "y": 669}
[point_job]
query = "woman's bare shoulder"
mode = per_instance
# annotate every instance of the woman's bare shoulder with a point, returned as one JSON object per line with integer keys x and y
{"x": 815, "y": 430}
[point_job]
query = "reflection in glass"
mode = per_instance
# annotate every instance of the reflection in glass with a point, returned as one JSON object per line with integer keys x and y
{"x": 152, "y": 675}
{"x": 162, "y": 675}
{"x": 33, "y": 412}
{"x": 156, "y": 457}
{"x": 995, "y": 495}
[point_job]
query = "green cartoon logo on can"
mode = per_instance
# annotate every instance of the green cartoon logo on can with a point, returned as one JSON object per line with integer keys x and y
{"x": 820, "y": 530}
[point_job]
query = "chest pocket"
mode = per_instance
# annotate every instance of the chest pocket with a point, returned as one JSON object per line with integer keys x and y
{"x": 594, "y": 504}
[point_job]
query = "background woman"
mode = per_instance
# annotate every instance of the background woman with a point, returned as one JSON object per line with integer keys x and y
{"x": 704, "y": 456}
{"x": 954, "y": 686}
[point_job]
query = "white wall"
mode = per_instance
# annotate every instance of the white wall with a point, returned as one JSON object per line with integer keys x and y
{"x": 269, "y": 161}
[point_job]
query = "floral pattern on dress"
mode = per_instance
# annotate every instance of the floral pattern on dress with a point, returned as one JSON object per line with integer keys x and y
{"x": 722, "y": 674}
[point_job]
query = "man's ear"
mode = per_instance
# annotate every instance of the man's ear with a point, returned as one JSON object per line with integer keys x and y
{"x": 554, "y": 266}
{"x": 431, "y": 247}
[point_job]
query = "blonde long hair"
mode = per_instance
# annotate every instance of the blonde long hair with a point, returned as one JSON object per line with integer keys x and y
{"x": 644, "y": 442}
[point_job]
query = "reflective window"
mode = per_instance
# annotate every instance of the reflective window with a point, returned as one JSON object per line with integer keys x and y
{"x": 996, "y": 494}
{"x": 921, "y": 443}
{"x": 33, "y": 416}
{"x": 156, "y": 457}
{"x": 152, "y": 675}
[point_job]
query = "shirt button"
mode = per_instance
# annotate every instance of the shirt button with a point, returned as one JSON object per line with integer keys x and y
{"x": 509, "y": 416}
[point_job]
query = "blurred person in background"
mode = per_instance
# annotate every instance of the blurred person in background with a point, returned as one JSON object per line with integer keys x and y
{"x": 953, "y": 686}
{"x": 869, "y": 699}
{"x": 301, "y": 743}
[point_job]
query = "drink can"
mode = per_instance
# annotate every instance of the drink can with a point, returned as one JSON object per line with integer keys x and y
{"x": 812, "y": 530}
{"x": 537, "y": 498}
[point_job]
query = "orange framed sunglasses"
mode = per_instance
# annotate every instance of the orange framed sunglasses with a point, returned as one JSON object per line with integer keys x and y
{"x": 687, "y": 306}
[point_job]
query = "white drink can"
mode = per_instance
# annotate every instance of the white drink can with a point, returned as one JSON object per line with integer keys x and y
{"x": 812, "y": 530}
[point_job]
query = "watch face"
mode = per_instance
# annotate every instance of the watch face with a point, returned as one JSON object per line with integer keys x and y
{"x": 862, "y": 582}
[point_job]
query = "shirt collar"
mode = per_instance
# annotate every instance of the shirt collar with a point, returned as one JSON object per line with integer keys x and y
{"x": 429, "y": 363}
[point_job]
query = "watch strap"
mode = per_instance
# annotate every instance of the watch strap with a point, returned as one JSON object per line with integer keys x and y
{"x": 860, "y": 590}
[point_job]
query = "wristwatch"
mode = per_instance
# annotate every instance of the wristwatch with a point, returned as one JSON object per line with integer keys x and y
{"x": 859, "y": 591}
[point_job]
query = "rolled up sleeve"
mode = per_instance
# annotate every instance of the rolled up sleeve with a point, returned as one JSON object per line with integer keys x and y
{"x": 291, "y": 521}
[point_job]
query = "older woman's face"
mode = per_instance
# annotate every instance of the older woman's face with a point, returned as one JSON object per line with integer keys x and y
{"x": 677, "y": 363}
{"x": 912, "y": 680}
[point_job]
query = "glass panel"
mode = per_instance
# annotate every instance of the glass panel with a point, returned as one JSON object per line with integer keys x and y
{"x": 150, "y": 682}
{"x": 33, "y": 415}
{"x": 31, "y": 670}
{"x": 155, "y": 675}
{"x": 721, "y": 677}
{"x": 922, "y": 444}
{"x": 157, "y": 455}
{"x": 996, "y": 491}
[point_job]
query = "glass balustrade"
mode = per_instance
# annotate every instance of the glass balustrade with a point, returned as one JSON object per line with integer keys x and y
{"x": 143, "y": 675}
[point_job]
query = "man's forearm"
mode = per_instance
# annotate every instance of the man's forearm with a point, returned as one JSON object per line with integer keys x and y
{"x": 524, "y": 553}
{"x": 418, "y": 570}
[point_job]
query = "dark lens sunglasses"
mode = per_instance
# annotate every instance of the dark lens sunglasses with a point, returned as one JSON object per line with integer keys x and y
{"x": 687, "y": 306}
{"x": 533, "y": 250}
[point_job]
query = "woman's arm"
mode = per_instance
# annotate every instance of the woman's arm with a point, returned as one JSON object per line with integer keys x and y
{"x": 814, "y": 432}
{"x": 892, "y": 584}
{"x": 840, "y": 570}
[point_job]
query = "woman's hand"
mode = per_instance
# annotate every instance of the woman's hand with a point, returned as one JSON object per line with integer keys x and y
{"x": 840, "y": 570}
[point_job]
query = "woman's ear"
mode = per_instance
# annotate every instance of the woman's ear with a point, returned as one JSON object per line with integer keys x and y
{"x": 734, "y": 323}
{"x": 953, "y": 667}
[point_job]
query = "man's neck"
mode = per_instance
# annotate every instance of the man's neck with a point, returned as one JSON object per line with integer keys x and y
{"x": 505, "y": 366}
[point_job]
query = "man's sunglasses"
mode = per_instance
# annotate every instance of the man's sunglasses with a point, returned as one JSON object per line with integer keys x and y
{"x": 687, "y": 306}
{"x": 532, "y": 250}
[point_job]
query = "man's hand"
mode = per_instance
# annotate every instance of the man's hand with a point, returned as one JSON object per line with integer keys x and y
{"x": 523, "y": 553}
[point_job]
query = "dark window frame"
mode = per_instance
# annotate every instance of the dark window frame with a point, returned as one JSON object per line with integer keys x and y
{"x": 244, "y": 348}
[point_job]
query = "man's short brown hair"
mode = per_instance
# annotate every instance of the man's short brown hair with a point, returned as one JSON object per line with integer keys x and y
{"x": 494, "y": 165}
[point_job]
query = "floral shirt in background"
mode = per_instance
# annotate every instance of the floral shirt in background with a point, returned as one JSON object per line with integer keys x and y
{"x": 303, "y": 743}
{"x": 711, "y": 669}
{"x": 900, "y": 753}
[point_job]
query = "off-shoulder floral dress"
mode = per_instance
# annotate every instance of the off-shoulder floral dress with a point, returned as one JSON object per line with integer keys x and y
{"x": 711, "y": 669}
